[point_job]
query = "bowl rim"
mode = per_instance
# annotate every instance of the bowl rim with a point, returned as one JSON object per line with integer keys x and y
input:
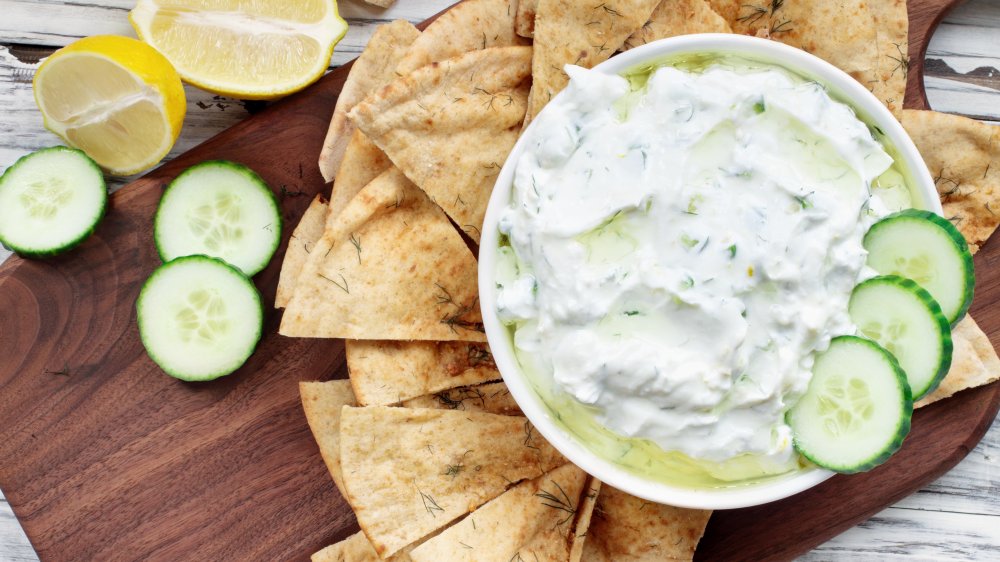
{"x": 844, "y": 88}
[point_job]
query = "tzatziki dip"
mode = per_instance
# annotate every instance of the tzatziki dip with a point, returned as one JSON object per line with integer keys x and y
{"x": 680, "y": 243}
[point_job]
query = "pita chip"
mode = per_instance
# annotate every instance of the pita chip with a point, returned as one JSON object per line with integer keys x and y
{"x": 583, "y": 517}
{"x": 627, "y": 529}
{"x": 322, "y": 402}
{"x": 355, "y": 548}
{"x": 892, "y": 23}
{"x": 846, "y": 34}
{"x": 470, "y": 26}
{"x": 524, "y": 20}
{"x": 409, "y": 472}
{"x": 493, "y": 398}
{"x": 449, "y": 126}
{"x": 531, "y": 521}
{"x": 963, "y": 156}
{"x": 580, "y": 33}
{"x": 362, "y": 163}
{"x": 974, "y": 363}
{"x": 388, "y": 372}
{"x": 392, "y": 267}
{"x": 373, "y": 69}
{"x": 678, "y": 17}
{"x": 303, "y": 240}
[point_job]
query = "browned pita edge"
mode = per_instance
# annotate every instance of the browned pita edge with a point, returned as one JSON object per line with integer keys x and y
{"x": 372, "y": 70}
{"x": 303, "y": 240}
{"x": 963, "y": 157}
{"x": 356, "y": 548}
{"x": 389, "y": 372}
{"x": 678, "y": 17}
{"x": 524, "y": 20}
{"x": 584, "y": 514}
{"x": 974, "y": 363}
{"x": 450, "y": 125}
{"x": 492, "y": 397}
{"x": 625, "y": 528}
{"x": 410, "y": 472}
{"x": 856, "y": 36}
{"x": 322, "y": 402}
{"x": 362, "y": 163}
{"x": 393, "y": 267}
{"x": 381, "y": 3}
{"x": 470, "y": 26}
{"x": 580, "y": 33}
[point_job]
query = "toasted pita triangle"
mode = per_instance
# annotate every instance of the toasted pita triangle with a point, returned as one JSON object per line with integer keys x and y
{"x": 409, "y": 472}
{"x": 392, "y": 267}
{"x": 372, "y": 70}
{"x": 532, "y": 520}
{"x": 678, "y": 17}
{"x": 892, "y": 22}
{"x": 469, "y": 26}
{"x": 449, "y": 126}
{"x": 974, "y": 362}
{"x": 303, "y": 240}
{"x": 493, "y": 398}
{"x": 362, "y": 163}
{"x": 963, "y": 157}
{"x": 580, "y": 33}
{"x": 322, "y": 402}
{"x": 626, "y": 528}
{"x": 846, "y": 34}
{"x": 524, "y": 20}
{"x": 388, "y": 372}
{"x": 583, "y": 517}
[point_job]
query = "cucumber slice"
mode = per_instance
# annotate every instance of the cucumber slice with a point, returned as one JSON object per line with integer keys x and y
{"x": 220, "y": 209}
{"x": 906, "y": 320}
{"x": 199, "y": 318}
{"x": 922, "y": 246}
{"x": 50, "y": 202}
{"x": 857, "y": 409}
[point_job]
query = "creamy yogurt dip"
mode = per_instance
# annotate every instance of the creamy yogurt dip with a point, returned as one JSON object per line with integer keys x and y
{"x": 679, "y": 245}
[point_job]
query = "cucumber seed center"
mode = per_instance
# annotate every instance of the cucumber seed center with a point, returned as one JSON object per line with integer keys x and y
{"x": 43, "y": 199}
{"x": 844, "y": 405}
{"x": 918, "y": 268}
{"x": 217, "y": 222}
{"x": 203, "y": 317}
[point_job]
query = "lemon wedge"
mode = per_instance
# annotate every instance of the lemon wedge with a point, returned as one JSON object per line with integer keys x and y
{"x": 259, "y": 49}
{"x": 115, "y": 98}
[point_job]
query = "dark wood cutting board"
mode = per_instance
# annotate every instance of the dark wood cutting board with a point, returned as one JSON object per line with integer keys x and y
{"x": 103, "y": 457}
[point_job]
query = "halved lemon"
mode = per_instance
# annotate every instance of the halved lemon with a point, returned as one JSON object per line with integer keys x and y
{"x": 115, "y": 98}
{"x": 249, "y": 49}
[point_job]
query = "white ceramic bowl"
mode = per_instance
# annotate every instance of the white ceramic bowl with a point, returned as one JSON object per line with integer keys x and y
{"x": 841, "y": 86}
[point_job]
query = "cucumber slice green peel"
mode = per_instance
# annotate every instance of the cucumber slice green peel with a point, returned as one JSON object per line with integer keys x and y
{"x": 50, "y": 202}
{"x": 928, "y": 249}
{"x": 199, "y": 318}
{"x": 856, "y": 411}
{"x": 905, "y": 319}
{"x": 220, "y": 209}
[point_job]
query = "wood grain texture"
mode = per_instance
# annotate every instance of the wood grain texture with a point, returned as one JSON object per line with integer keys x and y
{"x": 901, "y": 529}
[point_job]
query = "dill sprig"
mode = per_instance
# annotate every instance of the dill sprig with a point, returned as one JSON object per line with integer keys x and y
{"x": 454, "y": 470}
{"x": 559, "y": 502}
{"x": 429, "y": 503}
{"x": 356, "y": 242}
{"x": 343, "y": 287}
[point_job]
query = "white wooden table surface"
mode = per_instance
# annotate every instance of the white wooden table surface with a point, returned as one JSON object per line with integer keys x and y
{"x": 955, "y": 518}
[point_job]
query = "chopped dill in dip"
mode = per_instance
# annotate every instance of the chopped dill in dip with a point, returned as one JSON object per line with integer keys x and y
{"x": 676, "y": 251}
